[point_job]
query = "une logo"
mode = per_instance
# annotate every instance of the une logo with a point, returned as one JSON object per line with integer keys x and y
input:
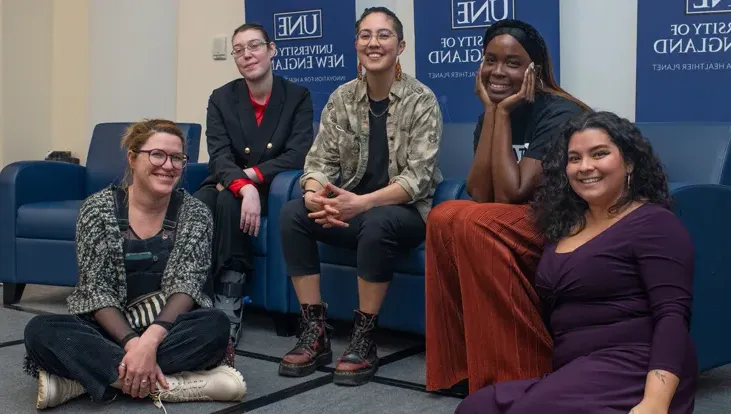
{"x": 306, "y": 24}
{"x": 468, "y": 14}
{"x": 707, "y": 6}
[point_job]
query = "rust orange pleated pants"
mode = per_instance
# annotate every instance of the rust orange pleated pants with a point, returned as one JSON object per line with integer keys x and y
{"x": 483, "y": 319}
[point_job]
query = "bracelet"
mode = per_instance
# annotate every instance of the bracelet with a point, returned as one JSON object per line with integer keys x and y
{"x": 309, "y": 190}
{"x": 128, "y": 338}
{"x": 167, "y": 325}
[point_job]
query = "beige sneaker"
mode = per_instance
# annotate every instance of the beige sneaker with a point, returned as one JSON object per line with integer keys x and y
{"x": 222, "y": 383}
{"x": 53, "y": 390}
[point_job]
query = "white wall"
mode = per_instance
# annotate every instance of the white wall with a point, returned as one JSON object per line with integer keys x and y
{"x": 70, "y": 77}
{"x": 198, "y": 74}
{"x": 133, "y": 55}
{"x": 26, "y": 79}
{"x": 599, "y": 53}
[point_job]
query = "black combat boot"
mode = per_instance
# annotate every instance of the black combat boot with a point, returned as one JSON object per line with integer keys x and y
{"x": 313, "y": 348}
{"x": 360, "y": 360}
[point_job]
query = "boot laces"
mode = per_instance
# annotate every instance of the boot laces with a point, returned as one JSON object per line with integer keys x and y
{"x": 360, "y": 338}
{"x": 311, "y": 326}
{"x": 184, "y": 391}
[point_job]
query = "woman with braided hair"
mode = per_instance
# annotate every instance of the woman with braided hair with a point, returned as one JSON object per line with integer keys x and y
{"x": 482, "y": 323}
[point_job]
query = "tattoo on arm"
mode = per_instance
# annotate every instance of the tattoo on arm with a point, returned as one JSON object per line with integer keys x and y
{"x": 660, "y": 376}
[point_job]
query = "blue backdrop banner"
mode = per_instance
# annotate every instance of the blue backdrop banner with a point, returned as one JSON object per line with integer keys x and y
{"x": 315, "y": 42}
{"x": 448, "y": 36}
{"x": 683, "y": 60}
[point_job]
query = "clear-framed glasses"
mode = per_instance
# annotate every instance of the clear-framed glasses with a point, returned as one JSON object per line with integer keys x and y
{"x": 382, "y": 36}
{"x": 158, "y": 158}
{"x": 253, "y": 46}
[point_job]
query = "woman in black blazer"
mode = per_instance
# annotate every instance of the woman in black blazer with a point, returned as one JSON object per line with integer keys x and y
{"x": 257, "y": 127}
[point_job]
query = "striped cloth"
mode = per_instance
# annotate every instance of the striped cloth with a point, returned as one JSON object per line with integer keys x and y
{"x": 482, "y": 313}
{"x": 143, "y": 311}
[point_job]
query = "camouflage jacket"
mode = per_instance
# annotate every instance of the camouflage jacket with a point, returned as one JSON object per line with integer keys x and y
{"x": 414, "y": 130}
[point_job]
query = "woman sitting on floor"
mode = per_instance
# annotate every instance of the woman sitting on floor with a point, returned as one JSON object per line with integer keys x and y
{"x": 615, "y": 281}
{"x": 481, "y": 255}
{"x": 138, "y": 316}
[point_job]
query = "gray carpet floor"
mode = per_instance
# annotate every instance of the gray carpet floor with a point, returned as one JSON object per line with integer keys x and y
{"x": 397, "y": 388}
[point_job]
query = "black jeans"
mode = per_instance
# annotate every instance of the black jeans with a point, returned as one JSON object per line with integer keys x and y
{"x": 232, "y": 248}
{"x": 78, "y": 348}
{"x": 379, "y": 235}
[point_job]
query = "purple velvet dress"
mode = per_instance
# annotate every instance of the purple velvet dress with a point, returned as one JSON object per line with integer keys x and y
{"x": 619, "y": 307}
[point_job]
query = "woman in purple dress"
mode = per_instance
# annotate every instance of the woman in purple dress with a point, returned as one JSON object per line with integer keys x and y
{"x": 615, "y": 281}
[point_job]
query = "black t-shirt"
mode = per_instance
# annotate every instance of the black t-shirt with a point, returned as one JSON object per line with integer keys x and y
{"x": 376, "y": 175}
{"x": 536, "y": 124}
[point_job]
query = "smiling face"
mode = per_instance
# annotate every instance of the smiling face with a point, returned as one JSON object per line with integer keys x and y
{"x": 151, "y": 171}
{"x": 596, "y": 168}
{"x": 504, "y": 66}
{"x": 377, "y": 43}
{"x": 256, "y": 61}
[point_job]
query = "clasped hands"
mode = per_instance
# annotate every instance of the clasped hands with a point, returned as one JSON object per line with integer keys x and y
{"x": 335, "y": 211}
{"x": 139, "y": 373}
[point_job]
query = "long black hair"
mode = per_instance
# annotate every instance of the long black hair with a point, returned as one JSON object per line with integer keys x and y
{"x": 559, "y": 211}
{"x": 533, "y": 43}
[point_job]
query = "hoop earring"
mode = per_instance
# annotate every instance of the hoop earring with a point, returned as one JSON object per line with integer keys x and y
{"x": 360, "y": 71}
{"x": 398, "y": 70}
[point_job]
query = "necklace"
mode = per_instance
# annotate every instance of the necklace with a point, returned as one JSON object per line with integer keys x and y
{"x": 378, "y": 115}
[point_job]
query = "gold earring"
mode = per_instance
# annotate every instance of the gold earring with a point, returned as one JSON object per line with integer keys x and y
{"x": 360, "y": 71}
{"x": 398, "y": 69}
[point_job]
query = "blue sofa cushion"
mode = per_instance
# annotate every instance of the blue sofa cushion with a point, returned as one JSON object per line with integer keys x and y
{"x": 260, "y": 242}
{"x": 696, "y": 153}
{"x": 53, "y": 220}
{"x": 411, "y": 262}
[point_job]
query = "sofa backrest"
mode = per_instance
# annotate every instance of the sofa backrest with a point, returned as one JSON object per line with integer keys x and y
{"x": 106, "y": 161}
{"x": 692, "y": 153}
{"x": 456, "y": 150}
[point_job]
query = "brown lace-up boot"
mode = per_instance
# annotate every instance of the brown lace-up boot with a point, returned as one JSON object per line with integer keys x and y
{"x": 313, "y": 348}
{"x": 360, "y": 360}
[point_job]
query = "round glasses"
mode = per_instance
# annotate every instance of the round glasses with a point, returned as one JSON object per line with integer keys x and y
{"x": 382, "y": 36}
{"x": 158, "y": 158}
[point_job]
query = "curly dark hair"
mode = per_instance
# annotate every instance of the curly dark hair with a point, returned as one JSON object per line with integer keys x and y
{"x": 559, "y": 211}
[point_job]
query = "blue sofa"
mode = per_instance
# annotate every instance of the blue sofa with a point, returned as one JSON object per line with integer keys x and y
{"x": 39, "y": 205}
{"x": 697, "y": 158}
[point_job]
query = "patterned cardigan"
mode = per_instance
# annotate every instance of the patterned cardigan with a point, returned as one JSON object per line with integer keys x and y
{"x": 102, "y": 277}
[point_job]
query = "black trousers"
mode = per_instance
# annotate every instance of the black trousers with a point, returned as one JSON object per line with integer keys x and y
{"x": 78, "y": 348}
{"x": 379, "y": 235}
{"x": 232, "y": 249}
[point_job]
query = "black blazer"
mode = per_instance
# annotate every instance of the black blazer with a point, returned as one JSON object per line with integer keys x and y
{"x": 236, "y": 142}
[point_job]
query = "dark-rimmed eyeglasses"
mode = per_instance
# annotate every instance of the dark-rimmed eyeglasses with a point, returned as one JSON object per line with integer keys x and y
{"x": 158, "y": 158}
{"x": 253, "y": 46}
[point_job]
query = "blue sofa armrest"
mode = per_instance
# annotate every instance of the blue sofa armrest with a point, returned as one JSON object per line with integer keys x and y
{"x": 280, "y": 192}
{"x": 193, "y": 176}
{"x": 449, "y": 190}
{"x": 704, "y": 210}
{"x": 27, "y": 182}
